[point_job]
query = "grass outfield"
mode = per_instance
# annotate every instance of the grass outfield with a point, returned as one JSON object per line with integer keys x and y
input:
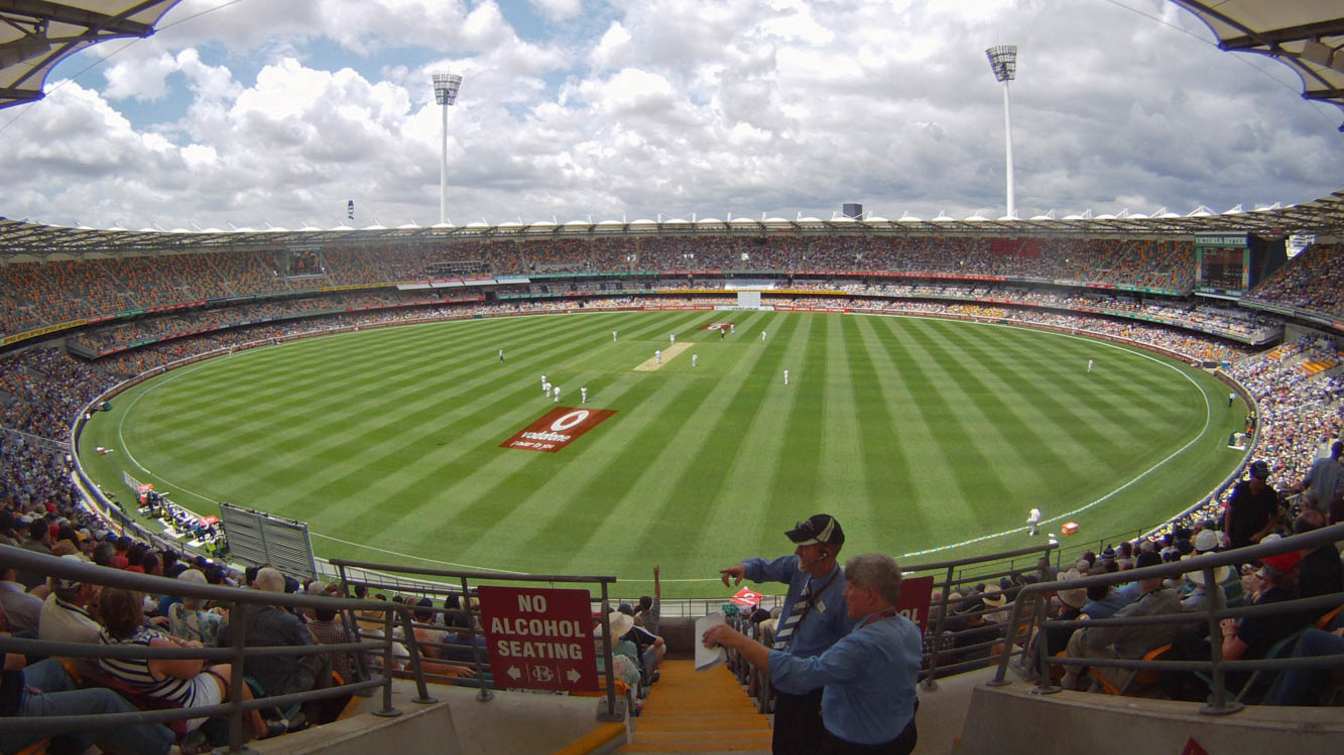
{"x": 919, "y": 434}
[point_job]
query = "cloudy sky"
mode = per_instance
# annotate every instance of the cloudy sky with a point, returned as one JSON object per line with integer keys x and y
{"x": 276, "y": 112}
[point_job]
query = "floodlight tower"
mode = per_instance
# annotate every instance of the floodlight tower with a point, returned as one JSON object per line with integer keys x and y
{"x": 445, "y": 93}
{"x": 1003, "y": 62}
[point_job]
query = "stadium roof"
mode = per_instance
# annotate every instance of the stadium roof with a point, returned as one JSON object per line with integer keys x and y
{"x": 35, "y": 35}
{"x": 1323, "y": 217}
{"x": 1305, "y": 35}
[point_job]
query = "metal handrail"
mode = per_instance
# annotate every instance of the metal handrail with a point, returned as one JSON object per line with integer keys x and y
{"x": 241, "y": 600}
{"x": 1213, "y": 614}
{"x": 938, "y": 610}
{"x": 343, "y": 565}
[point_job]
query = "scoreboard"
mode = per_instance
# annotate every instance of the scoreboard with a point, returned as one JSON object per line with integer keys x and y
{"x": 1230, "y": 264}
{"x": 1223, "y": 262}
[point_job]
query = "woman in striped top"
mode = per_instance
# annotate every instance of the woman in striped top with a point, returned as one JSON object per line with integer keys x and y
{"x": 185, "y": 683}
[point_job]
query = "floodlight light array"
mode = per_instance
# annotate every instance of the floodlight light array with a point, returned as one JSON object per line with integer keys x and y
{"x": 1003, "y": 61}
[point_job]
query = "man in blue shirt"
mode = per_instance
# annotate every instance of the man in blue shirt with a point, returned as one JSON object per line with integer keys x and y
{"x": 813, "y": 618}
{"x": 868, "y": 677}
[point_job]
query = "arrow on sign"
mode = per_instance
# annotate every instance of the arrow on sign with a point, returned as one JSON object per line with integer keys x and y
{"x": 514, "y": 673}
{"x": 573, "y": 676}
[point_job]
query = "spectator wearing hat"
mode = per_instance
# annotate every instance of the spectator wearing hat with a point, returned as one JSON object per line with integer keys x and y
{"x": 1253, "y": 508}
{"x": 868, "y": 677}
{"x": 67, "y": 611}
{"x": 1129, "y": 642}
{"x": 813, "y": 619}
{"x": 1251, "y": 637}
{"x": 625, "y": 656}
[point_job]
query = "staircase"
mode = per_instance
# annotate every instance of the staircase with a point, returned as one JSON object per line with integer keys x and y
{"x": 707, "y": 711}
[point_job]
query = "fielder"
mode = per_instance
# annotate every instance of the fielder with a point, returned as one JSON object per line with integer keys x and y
{"x": 1089, "y": 366}
{"x": 762, "y": 336}
{"x": 658, "y": 356}
{"x": 556, "y": 393}
{"x": 613, "y": 336}
{"x": 672, "y": 338}
{"x": 694, "y": 358}
{"x": 583, "y": 394}
{"x": 786, "y": 377}
{"x": 501, "y": 356}
{"x": 1033, "y": 522}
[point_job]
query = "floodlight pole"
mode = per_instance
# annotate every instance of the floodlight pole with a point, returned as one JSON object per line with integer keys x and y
{"x": 1003, "y": 62}
{"x": 445, "y": 94}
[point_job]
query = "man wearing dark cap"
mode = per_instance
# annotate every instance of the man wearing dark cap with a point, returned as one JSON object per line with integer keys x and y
{"x": 813, "y": 617}
{"x": 1252, "y": 509}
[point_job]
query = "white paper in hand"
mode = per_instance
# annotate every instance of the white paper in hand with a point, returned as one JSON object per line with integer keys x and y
{"x": 706, "y": 658}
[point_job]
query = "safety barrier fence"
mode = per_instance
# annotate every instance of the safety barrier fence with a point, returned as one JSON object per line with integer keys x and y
{"x": 614, "y": 707}
{"x": 1029, "y": 612}
{"x": 377, "y": 659}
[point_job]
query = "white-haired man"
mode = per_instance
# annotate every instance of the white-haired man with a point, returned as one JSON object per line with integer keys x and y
{"x": 868, "y": 701}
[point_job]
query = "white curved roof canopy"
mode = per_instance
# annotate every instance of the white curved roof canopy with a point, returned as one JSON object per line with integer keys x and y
{"x": 35, "y": 36}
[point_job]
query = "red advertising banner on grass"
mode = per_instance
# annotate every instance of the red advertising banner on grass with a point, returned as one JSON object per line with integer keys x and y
{"x": 539, "y": 638}
{"x": 557, "y": 429}
{"x": 914, "y": 605}
{"x": 747, "y": 598}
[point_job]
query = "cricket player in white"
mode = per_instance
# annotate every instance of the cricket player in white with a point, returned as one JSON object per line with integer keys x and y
{"x": 694, "y": 358}
{"x": 672, "y": 338}
{"x": 545, "y": 384}
{"x": 613, "y": 336}
{"x": 1089, "y": 366}
{"x": 658, "y": 356}
{"x": 786, "y": 377}
{"x": 762, "y": 336}
{"x": 1033, "y": 522}
{"x": 556, "y": 392}
{"x": 583, "y": 394}
{"x": 732, "y": 328}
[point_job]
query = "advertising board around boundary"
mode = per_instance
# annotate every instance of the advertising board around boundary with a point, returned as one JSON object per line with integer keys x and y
{"x": 556, "y": 429}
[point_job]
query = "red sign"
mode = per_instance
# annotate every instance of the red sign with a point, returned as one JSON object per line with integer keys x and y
{"x": 557, "y": 429}
{"x": 746, "y": 598}
{"x": 539, "y": 638}
{"x": 915, "y": 595}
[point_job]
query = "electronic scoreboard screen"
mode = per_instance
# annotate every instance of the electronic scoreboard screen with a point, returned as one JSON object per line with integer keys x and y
{"x": 1223, "y": 262}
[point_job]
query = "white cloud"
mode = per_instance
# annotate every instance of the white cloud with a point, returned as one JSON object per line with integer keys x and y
{"x": 727, "y": 105}
{"x": 558, "y": 10}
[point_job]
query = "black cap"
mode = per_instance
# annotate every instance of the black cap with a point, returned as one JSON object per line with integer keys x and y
{"x": 820, "y": 528}
{"x": 1147, "y": 558}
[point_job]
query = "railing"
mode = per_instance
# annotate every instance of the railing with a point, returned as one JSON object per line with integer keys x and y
{"x": 242, "y": 603}
{"x": 934, "y": 635}
{"x": 1030, "y": 608}
{"x": 612, "y": 711}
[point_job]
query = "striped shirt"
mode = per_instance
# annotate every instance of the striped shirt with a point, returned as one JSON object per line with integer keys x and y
{"x": 135, "y": 673}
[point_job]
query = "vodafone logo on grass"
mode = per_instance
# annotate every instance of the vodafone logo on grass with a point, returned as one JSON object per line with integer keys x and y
{"x": 556, "y": 429}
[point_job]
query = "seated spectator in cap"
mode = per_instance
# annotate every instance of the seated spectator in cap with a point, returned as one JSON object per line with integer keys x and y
{"x": 270, "y": 625}
{"x": 1197, "y": 594}
{"x": 184, "y": 683}
{"x": 22, "y": 608}
{"x": 1252, "y": 509}
{"x": 1130, "y": 642}
{"x": 1252, "y": 637}
{"x": 67, "y": 613}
